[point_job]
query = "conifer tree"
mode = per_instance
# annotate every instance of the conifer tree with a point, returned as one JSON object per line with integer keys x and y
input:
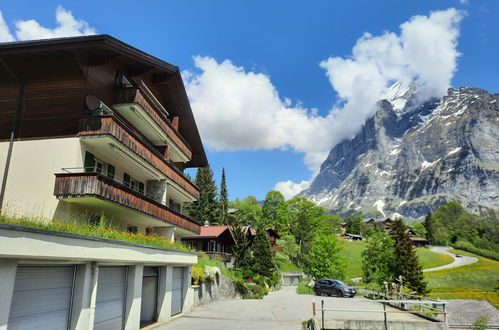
{"x": 405, "y": 261}
{"x": 206, "y": 208}
{"x": 224, "y": 199}
{"x": 263, "y": 264}
{"x": 429, "y": 224}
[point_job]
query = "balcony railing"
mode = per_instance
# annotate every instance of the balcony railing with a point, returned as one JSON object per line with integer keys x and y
{"x": 110, "y": 125}
{"x": 155, "y": 110}
{"x": 71, "y": 185}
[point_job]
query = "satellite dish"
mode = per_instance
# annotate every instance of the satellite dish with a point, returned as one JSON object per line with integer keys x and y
{"x": 93, "y": 103}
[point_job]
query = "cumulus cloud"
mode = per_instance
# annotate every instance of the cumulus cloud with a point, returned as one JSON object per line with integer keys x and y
{"x": 290, "y": 189}
{"x": 5, "y": 35}
{"x": 67, "y": 26}
{"x": 242, "y": 110}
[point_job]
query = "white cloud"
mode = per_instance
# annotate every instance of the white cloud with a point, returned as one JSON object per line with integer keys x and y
{"x": 290, "y": 189}
{"x": 5, "y": 35}
{"x": 240, "y": 110}
{"x": 67, "y": 26}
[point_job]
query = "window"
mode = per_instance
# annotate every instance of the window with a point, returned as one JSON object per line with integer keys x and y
{"x": 132, "y": 229}
{"x": 133, "y": 183}
{"x": 110, "y": 171}
{"x": 174, "y": 205}
{"x": 89, "y": 163}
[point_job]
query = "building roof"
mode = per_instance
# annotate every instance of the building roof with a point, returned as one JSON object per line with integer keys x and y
{"x": 167, "y": 76}
{"x": 419, "y": 239}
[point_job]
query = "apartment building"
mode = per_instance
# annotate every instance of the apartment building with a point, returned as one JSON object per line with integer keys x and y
{"x": 92, "y": 129}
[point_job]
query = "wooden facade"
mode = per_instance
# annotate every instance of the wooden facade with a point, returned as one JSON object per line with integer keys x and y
{"x": 69, "y": 185}
{"x": 109, "y": 125}
{"x": 45, "y": 86}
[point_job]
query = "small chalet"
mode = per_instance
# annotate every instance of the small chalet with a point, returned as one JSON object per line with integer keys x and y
{"x": 214, "y": 241}
{"x": 272, "y": 236}
{"x": 385, "y": 224}
{"x": 419, "y": 241}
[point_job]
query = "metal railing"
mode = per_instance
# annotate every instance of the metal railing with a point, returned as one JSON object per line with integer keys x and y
{"x": 427, "y": 307}
{"x": 385, "y": 312}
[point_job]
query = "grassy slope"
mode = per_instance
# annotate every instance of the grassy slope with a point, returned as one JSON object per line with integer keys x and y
{"x": 475, "y": 281}
{"x": 353, "y": 254}
{"x": 430, "y": 259}
{"x": 284, "y": 264}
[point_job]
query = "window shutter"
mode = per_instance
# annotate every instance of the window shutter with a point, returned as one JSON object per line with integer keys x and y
{"x": 89, "y": 162}
{"x": 110, "y": 171}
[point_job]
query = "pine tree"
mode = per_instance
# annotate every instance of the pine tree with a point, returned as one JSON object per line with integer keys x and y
{"x": 405, "y": 261}
{"x": 206, "y": 207}
{"x": 429, "y": 224}
{"x": 263, "y": 264}
{"x": 224, "y": 199}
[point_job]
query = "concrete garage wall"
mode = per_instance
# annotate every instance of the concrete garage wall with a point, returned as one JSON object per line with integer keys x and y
{"x": 380, "y": 325}
{"x": 223, "y": 288}
{"x": 26, "y": 246}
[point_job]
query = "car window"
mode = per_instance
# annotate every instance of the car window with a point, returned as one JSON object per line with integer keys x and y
{"x": 339, "y": 282}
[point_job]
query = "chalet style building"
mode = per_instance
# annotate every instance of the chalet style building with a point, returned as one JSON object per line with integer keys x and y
{"x": 94, "y": 130}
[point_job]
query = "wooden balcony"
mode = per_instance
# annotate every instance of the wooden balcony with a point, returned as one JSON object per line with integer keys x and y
{"x": 109, "y": 125}
{"x": 154, "y": 109}
{"x": 74, "y": 185}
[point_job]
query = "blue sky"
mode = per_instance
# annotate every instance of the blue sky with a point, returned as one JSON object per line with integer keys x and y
{"x": 277, "y": 46}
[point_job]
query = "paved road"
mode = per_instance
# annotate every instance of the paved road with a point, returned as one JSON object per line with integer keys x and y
{"x": 283, "y": 309}
{"x": 458, "y": 262}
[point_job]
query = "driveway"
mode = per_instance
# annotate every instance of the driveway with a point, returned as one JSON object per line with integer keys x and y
{"x": 458, "y": 262}
{"x": 283, "y": 309}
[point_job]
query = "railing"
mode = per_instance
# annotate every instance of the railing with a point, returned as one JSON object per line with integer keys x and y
{"x": 226, "y": 257}
{"x": 96, "y": 184}
{"x": 156, "y": 112}
{"x": 384, "y": 311}
{"x": 110, "y": 125}
{"x": 430, "y": 308}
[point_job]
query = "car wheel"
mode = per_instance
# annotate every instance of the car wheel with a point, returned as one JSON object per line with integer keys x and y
{"x": 341, "y": 294}
{"x": 317, "y": 292}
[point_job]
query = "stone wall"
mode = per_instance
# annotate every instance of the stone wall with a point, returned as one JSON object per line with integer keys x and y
{"x": 222, "y": 288}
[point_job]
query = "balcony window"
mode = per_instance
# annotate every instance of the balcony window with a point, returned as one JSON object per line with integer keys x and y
{"x": 174, "y": 205}
{"x": 133, "y": 183}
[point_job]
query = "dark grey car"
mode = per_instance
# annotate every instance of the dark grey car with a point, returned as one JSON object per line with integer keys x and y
{"x": 333, "y": 287}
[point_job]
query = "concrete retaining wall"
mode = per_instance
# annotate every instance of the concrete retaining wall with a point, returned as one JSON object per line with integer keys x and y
{"x": 222, "y": 288}
{"x": 379, "y": 325}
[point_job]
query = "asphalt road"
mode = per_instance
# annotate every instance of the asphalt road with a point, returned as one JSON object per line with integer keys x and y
{"x": 458, "y": 262}
{"x": 283, "y": 309}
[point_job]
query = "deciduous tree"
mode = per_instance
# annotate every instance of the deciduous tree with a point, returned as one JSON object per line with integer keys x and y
{"x": 325, "y": 259}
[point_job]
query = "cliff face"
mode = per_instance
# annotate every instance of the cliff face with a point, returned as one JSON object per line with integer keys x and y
{"x": 408, "y": 160}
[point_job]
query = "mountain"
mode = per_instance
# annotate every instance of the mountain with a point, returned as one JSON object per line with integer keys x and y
{"x": 409, "y": 160}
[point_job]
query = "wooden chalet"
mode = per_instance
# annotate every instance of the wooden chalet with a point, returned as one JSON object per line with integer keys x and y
{"x": 215, "y": 241}
{"x": 96, "y": 129}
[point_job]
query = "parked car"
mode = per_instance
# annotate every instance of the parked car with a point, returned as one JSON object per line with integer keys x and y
{"x": 459, "y": 255}
{"x": 333, "y": 287}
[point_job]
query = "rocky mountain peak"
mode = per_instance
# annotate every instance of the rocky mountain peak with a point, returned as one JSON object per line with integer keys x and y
{"x": 409, "y": 160}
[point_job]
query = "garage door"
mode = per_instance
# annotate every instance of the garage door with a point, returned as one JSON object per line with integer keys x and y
{"x": 177, "y": 290}
{"x": 110, "y": 302}
{"x": 41, "y": 298}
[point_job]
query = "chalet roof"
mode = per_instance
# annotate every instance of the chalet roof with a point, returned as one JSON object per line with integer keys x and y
{"x": 104, "y": 47}
{"x": 211, "y": 231}
{"x": 419, "y": 239}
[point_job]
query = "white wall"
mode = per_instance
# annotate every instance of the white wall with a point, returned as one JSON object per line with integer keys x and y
{"x": 30, "y": 184}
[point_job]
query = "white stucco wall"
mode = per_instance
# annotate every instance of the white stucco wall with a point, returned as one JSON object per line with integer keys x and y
{"x": 30, "y": 184}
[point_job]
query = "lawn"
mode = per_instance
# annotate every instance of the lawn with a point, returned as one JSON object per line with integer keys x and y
{"x": 353, "y": 254}
{"x": 284, "y": 264}
{"x": 474, "y": 281}
{"x": 430, "y": 259}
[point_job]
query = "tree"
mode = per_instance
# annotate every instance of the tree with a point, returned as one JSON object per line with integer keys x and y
{"x": 274, "y": 211}
{"x": 224, "y": 199}
{"x": 243, "y": 258}
{"x": 325, "y": 259}
{"x": 420, "y": 230}
{"x": 377, "y": 258}
{"x": 263, "y": 264}
{"x": 206, "y": 207}
{"x": 429, "y": 224}
{"x": 248, "y": 210}
{"x": 355, "y": 224}
{"x": 406, "y": 263}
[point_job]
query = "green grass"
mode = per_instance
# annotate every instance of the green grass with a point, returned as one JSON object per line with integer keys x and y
{"x": 303, "y": 288}
{"x": 353, "y": 254}
{"x": 284, "y": 264}
{"x": 430, "y": 259}
{"x": 95, "y": 231}
{"x": 474, "y": 281}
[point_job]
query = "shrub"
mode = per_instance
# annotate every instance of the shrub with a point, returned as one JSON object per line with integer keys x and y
{"x": 467, "y": 246}
{"x": 198, "y": 275}
{"x": 211, "y": 272}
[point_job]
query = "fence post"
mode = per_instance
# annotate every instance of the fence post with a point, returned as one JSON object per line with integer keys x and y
{"x": 445, "y": 314}
{"x": 322, "y": 309}
{"x": 313, "y": 308}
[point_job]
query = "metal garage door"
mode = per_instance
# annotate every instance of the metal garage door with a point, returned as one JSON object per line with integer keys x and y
{"x": 42, "y": 297}
{"x": 110, "y": 302}
{"x": 177, "y": 290}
